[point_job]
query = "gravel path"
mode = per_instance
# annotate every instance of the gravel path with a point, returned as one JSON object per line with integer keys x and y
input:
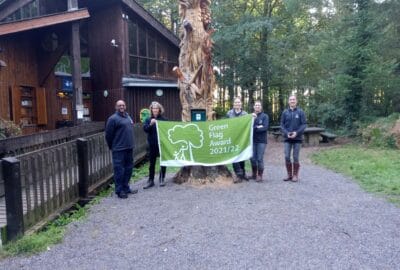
{"x": 323, "y": 222}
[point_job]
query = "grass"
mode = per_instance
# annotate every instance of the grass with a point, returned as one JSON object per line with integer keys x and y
{"x": 53, "y": 232}
{"x": 376, "y": 170}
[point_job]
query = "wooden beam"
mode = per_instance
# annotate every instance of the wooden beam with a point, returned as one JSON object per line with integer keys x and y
{"x": 13, "y": 6}
{"x": 19, "y": 26}
{"x": 76, "y": 73}
{"x": 48, "y": 60}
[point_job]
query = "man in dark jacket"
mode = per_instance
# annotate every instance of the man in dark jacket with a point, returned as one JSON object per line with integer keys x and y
{"x": 119, "y": 137}
{"x": 260, "y": 128}
{"x": 293, "y": 124}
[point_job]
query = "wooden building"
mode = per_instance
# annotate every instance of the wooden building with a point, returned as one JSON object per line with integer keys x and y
{"x": 126, "y": 52}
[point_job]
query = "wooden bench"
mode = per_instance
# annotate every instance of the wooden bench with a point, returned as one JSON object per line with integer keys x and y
{"x": 327, "y": 137}
{"x": 276, "y": 134}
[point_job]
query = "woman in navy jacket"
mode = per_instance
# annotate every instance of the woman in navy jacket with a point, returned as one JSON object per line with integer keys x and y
{"x": 150, "y": 128}
{"x": 260, "y": 128}
{"x": 293, "y": 124}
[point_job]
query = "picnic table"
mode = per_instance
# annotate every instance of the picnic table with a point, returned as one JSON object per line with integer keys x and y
{"x": 275, "y": 128}
{"x": 312, "y": 136}
{"x": 276, "y": 131}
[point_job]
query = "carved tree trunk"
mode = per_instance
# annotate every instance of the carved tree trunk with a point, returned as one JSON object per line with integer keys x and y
{"x": 196, "y": 77}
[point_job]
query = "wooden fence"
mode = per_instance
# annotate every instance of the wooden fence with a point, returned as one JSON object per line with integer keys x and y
{"x": 42, "y": 183}
{"x": 23, "y": 144}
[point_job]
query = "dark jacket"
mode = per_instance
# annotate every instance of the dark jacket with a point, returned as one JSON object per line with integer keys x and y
{"x": 260, "y": 134}
{"x": 232, "y": 113}
{"x": 152, "y": 131}
{"x": 293, "y": 120}
{"x": 119, "y": 132}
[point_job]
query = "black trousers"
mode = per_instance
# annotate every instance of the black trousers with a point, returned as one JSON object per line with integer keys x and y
{"x": 239, "y": 168}
{"x": 154, "y": 153}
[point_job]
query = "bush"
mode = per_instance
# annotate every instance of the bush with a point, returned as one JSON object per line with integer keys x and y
{"x": 8, "y": 129}
{"x": 383, "y": 133}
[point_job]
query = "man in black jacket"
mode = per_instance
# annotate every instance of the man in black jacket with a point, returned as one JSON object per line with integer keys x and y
{"x": 119, "y": 137}
{"x": 293, "y": 124}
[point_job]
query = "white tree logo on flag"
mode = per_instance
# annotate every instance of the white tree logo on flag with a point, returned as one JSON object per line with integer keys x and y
{"x": 186, "y": 137}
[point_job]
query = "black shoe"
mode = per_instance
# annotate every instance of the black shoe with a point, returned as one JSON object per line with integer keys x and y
{"x": 162, "y": 182}
{"x": 150, "y": 183}
{"x": 122, "y": 195}
{"x": 237, "y": 180}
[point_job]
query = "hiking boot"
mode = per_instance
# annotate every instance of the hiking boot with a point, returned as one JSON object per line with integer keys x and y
{"x": 260, "y": 175}
{"x": 254, "y": 170}
{"x": 289, "y": 169}
{"x": 296, "y": 169}
{"x": 237, "y": 179}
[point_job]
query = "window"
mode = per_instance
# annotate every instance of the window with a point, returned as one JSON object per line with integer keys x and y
{"x": 149, "y": 54}
{"x": 142, "y": 42}
{"x": 133, "y": 65}
{"x": 152, "y": 46}
{"x": 152, "y": 68}
{"x": 143, "y": 66}
{"x": 28, "y": 11}
{"x": 132, "y": 28}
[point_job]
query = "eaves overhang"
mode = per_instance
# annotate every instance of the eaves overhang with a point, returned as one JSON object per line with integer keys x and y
{"x": 139, "y": 82}
{"x": 43, "y": 21}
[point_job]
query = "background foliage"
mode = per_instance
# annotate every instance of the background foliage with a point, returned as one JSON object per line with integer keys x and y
{"x": 341, "y": 57}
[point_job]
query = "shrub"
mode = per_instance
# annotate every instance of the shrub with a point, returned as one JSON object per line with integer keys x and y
{"x": 8, "y": 129}
{"x": 383, "y": 133}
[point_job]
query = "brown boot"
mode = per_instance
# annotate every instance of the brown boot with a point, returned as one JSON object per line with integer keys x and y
{"x": 289, "y": 169}
{"x": 260, "y": 175}
{"x": 254, "y": 170}
{"x": 296, "y": 169}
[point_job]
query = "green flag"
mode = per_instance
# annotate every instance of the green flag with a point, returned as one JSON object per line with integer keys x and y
{"x": 207, "y": 143}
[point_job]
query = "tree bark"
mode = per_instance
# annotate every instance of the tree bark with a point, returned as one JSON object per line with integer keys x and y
{"x": 195, "y": 72}
{"x": 196, "y": 79}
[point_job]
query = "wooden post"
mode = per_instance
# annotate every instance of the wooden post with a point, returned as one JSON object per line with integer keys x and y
{"x": 83, "y": 167}
{"x": 72, "y": 4}
{"x": 13, "y": 194}
{"x": 76, "y": 66}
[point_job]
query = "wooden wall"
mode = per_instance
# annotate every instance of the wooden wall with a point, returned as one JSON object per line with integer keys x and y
{"x": 20, "y": 57}
{"x": 106, "y": 62}
{"x": 25, "y": 61}
{"x": 139, "y": 98}
{"x": 107, "y": 107}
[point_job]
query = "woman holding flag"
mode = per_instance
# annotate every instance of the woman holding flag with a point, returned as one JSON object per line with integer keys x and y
{"x": 150, "y": 128}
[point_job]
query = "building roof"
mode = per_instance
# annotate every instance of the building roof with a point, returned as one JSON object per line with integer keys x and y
{"x": 43, "y": 21}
